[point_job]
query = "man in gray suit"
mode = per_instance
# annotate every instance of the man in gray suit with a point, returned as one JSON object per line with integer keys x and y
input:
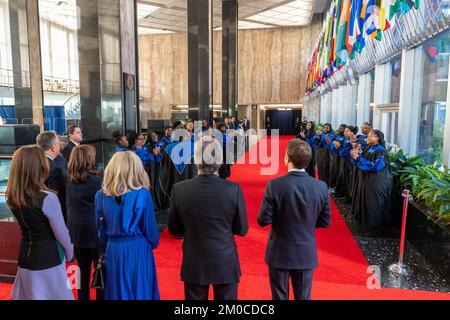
{"x": 208, "y": 212}
{"x": 295, "y": 205}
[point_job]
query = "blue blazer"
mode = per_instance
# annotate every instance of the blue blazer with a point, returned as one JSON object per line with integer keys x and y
{"x": 295, "y": 205}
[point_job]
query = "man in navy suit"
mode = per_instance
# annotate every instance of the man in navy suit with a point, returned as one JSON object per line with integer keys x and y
{"x": 295, "y": 205}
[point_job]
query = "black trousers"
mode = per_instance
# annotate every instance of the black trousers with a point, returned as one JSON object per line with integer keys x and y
{"x": 301, "y": 283}
{"x": 222, "y": 292}
{"x": 86, "y": 257}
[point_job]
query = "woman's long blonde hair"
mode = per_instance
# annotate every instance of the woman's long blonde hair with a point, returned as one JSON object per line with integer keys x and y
{"x": 125, "y": 172}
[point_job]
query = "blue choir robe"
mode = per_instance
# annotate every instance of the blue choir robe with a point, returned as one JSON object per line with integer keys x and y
{"x": 374, "y": 191}
{"x": 129, "y": 227}
{"x": 121, "y": 149}
{"x": 176, "y": 167}
{"x": 324, "y": 156}
{"x": 228, "y": 147}
{"x": 335, "y": 170}
{"x": 311, "y": 139}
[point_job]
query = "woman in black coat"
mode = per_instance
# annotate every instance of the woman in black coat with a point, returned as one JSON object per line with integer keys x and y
{"x": 374, "y": 194}
{"x": 82, "y": 186}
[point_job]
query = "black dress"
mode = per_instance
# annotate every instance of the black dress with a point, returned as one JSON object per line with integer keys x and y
{"x": 375, "y": 188}
{"x": 312, "y": 140}
{"x": 324, "y": 158}
{"x": 335, "y": 170}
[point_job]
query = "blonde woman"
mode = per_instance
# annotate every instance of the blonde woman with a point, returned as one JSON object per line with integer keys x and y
{"x": 126, "y": 221}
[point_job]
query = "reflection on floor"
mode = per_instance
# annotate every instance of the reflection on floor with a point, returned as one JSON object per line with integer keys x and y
{"x": 426, "y": 269}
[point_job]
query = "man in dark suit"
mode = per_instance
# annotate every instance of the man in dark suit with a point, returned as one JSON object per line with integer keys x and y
{"x": 49, "y": 142}
{"x": 295, "y": 205}
{"x": 75, "y": 138}
{"x": 208, "y": 212}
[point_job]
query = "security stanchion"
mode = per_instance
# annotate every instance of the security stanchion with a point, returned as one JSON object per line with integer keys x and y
{"x": 400, "y": 268}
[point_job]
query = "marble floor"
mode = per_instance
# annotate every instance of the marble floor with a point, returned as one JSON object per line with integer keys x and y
{"x": 428, "y": 269}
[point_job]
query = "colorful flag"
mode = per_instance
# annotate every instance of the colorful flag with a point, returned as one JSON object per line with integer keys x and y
{"x": 353, "y": 30}
{"x": 341, "y": 47}
{"x": 372, "y": 23}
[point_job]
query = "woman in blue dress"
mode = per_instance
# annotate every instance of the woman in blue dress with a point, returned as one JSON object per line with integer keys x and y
{"x": 126, "y": 221}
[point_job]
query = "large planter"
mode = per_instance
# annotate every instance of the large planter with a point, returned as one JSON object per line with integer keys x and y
{"x": 419, "y": 226}
{"x": 431, "y": 240}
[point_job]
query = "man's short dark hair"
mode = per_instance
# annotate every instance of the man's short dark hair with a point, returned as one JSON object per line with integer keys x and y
{"x": 71, "y": 129}
{"x": 299, "y": 153}
{"x": 46, "y": 140}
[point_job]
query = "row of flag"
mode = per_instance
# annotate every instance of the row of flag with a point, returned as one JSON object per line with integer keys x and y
{"x": 349, "y": 24}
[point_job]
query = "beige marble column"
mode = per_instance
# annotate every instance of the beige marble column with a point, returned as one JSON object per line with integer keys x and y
{"x": 34, "y": 46}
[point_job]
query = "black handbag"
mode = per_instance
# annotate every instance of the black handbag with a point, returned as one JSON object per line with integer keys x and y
{"x": 99, "y": 276}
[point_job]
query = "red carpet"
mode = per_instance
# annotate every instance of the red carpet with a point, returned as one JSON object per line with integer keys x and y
{"x": 342, "y": 274}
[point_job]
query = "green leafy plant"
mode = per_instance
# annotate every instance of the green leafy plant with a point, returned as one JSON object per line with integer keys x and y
{"x": 400, "y": 161}
{"x": 430, "y": 186}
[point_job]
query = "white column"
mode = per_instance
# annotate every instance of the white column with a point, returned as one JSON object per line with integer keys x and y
{"x": 410, "y": 99}
{"x": 351, "y": 95}
{"x": 342, "y": 104}
{"x": 335, "y": 106}
{"x": 447, "y": 127}
{"x": 323, "y": 108}
{"x": 382, "y": 90}
{"x": 364, "y": 93}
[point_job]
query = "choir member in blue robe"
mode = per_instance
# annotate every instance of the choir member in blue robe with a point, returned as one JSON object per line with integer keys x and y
{"x": 121, "y": 141}
{"x": 323, "y": 152}
{"x": 375, "y": 192}
{"x": 358, "y": 174}
{"x": 335, "y": 170}
{"x": 154, "y": 147}
{"x": 142, "y": 150}
{"x": 309, "y": 135}
{"x": 346, "y": 165}
{"x": 167, "y": 139}
{"x": 176, "y": 166}
{"x": 227, "y": 143}
{"x": 126, "y": 221}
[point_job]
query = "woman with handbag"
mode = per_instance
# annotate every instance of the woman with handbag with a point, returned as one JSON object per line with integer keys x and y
{"x": 126, "y": 221}
{"x": 82, "y": 186}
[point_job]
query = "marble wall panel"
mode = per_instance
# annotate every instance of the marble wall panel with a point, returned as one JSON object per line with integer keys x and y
{"x": 272, "y": 68}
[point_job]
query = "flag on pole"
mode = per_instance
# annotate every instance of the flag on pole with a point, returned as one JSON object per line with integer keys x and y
{"x": 353, "y": 30}
{"x": 341, "y": 46}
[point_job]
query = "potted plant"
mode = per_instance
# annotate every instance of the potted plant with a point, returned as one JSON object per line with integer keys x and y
{"x": 429, "y": 211}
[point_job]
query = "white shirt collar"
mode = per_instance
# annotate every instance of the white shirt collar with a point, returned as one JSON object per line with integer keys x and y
{"x": 297, "y": 170}
{"x": 76, "y": 144}
{"x": 50, "y": 157}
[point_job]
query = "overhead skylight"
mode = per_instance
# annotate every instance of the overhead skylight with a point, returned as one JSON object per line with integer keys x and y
{"x": 295, "y": 13}
{"x": 144, "y": 9}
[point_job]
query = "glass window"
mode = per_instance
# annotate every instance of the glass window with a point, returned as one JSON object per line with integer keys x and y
{"x": 434, "y": 97}
{"x": 389, "y": 125}
{"x": 396, "y": 68}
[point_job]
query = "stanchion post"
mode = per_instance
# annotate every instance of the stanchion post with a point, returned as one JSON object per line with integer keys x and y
{"x": 399, "y": 268}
